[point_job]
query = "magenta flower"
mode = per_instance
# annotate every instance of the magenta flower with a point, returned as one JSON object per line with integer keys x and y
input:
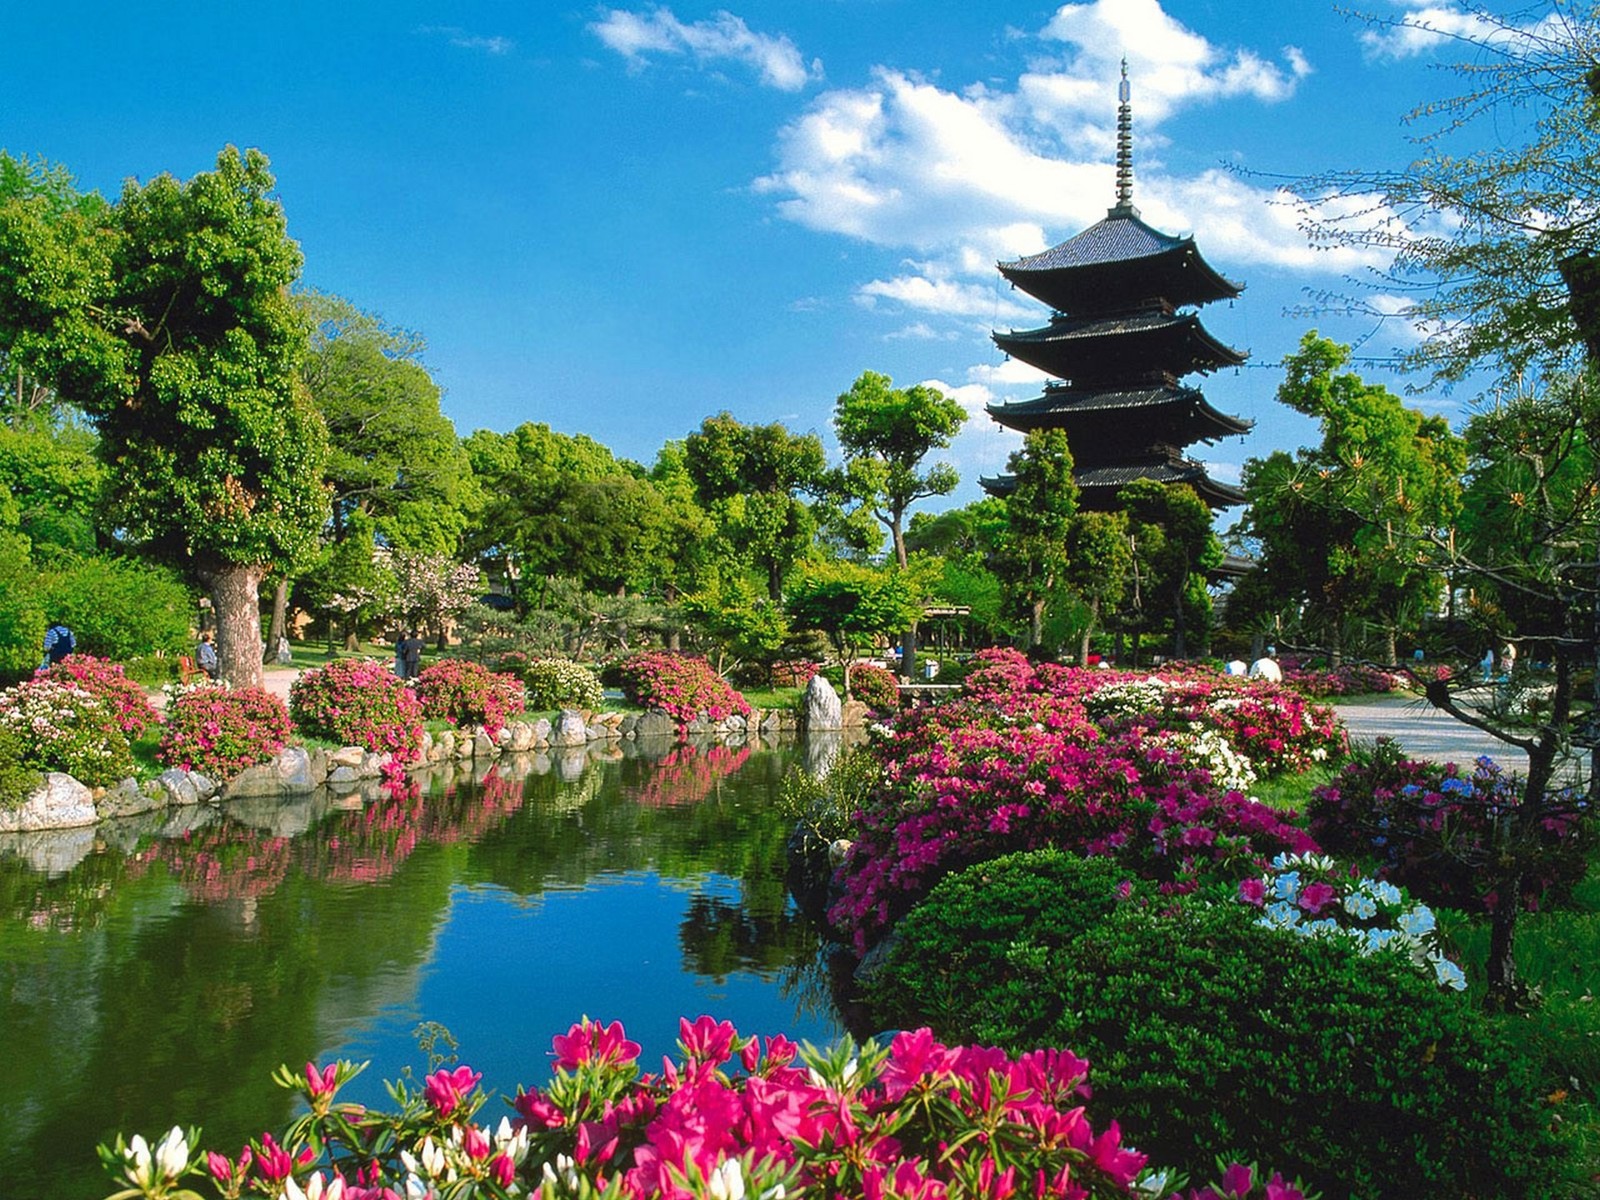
{"x": 1315, "y": 897}
{"x": 1253, "y": 891}
{"x": 446, "y": 1090}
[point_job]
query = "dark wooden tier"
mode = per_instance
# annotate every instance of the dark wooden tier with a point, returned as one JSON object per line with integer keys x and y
{"x": 1119, "y": 263}
{"x": 1098, "y": 421}
{"x": 1098, "y": 485}
{"x": 1113, "y": 350}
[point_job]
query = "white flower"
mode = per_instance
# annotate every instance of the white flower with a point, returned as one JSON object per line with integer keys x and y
{"x": 1448, "y": 974}
{"x": 1416, "y": 921}
{"x": 1360, "y": 905}
{"x": 172, "y": 1155}
{"x": 137, "y": 1156}
{"x": 727, "y": 1181}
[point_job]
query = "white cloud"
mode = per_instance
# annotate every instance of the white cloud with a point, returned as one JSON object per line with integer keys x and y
{"x": 919, "y": 331}
{"x": 945, "y": 297}
{"x": 463, "y": 40}
{"x": 638, "y": 35}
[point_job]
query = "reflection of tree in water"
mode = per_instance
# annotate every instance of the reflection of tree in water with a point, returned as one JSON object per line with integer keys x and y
{"x": 720, "y": 937}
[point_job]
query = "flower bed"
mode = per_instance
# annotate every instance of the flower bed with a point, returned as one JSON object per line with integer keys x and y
{"x": 875, "y": 686}
{"x": 358, "y": 702}
{"x": 467, "y": 694}
{"x": 64, "y": 727}
{"x": 105, "y": 680}
{"x": 684, "y": 688}
{"x": 731, "y": 1117}
{"x": 219, "y": 731}
{"x": 560, "y": 683}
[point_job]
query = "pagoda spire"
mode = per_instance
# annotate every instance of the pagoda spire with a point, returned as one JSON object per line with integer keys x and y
{"x": 1124, "y": 206}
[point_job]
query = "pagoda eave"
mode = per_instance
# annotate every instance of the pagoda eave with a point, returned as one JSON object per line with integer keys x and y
{"x": 1179, "y": 274}
{"x": 1094, "y": 411}
{"x": 1109, "y": 349}
{"x": 1099, "y": 486}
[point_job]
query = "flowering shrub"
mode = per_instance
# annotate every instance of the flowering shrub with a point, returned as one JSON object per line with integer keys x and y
{"x": 104, "y": 679}
{"x": 360, "y": 702}
{"x": 1311, "y": 895}
{"x": 967, "y": 782}
{"x": 875, "y": 686}
{"x": 1355, "y": 679}
{"x": 219, "y": 731}
{"x": 1210, "y": 1030}
{"x": 1434, "y": 830}
{"x": 793, "y": 672}
{"x": 468, "y": 693}
{"x": 17, "y": 780}
{"x": 682, "y": 687}
{"x": 65, "y": 727}
{"x": 561, "y": 683}
{"x": 1210, "y": 751}
{"x": 730, "y": 1118}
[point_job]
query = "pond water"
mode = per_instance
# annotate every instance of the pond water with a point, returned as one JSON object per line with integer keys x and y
{"x": 154, "y": 972}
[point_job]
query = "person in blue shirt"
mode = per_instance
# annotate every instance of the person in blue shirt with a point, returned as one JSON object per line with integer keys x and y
{"x": 58, "y": 643}
{"x": 206, "y": 655}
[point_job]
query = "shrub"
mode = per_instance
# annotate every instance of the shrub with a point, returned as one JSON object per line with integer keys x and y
{"x": 793, "y": 672}
{"x": 18, "y": 780}
{"x": 875, "y": 686}
{"x": 64, "y": 727}
{"x": 360, "y": 702}
{"x": 561, "y": 683}
{"x": 468, "y": 693}
{"x": 682, "y": 687}
{"x": 1215, "y": 1035}
{"x": 104, "y": 680}
{"x": 121, "y": 607}
{"x": 22, "y": 615}
{"x": 220, "y": 731}
{"x": 730, "y": 1118}
{"x": 1434, "y": 830}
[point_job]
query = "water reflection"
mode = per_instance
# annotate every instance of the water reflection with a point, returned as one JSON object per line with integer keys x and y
{"x": 155, "y": 970}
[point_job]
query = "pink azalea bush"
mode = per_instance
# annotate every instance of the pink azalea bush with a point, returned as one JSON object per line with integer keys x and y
{"x": 875, "y": 686}
{"x": 1094, "y": 762}
{"x": 730, "y": 1117}
{"x": 219, "y": 731}
{"x": 684, "y": 688}
{"x": 466, "y": 693}
{"x": 126, "y": 700}
{"x": 62, "y": 726}
{"x": 358, "y": 702}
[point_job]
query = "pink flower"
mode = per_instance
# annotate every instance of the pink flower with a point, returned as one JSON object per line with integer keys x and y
{"x": 320, "y": 1084}
{"x": 445, "y": 1090}
{"x": 1315, "y": 897}
{"x": 1253, "y": 891}
{"x": 1237, "y": 1180}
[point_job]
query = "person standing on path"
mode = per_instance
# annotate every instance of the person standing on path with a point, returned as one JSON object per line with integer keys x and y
{"x": 58, "y": 643}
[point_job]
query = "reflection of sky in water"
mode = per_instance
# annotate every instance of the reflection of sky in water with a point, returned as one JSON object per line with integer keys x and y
{"x": 506, "y": 976}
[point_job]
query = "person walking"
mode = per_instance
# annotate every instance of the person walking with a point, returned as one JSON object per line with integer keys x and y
{"x": 58, "y": 643}
{"x": 411, "y": 655}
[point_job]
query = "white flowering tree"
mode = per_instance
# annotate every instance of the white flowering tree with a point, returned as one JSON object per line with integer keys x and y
{"x": 431, "y": 590}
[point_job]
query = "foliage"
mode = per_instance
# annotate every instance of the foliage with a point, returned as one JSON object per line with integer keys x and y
{"x": 1445, "y": 834}
{"x": 219, "y": 731}
{"x": 737, "y": 618}
{"x": 1188, "y": 1001}
{"x": 1313, "y": 896}
{"x": 105, "y": 680}
{"x": 360, "y": 702}
{"x": 854, "y": 605}
{"x": 22, "y": 615}
{"x": 560, "y": 683}
{"x": 432, "y": 589}
{"x": 825, "y": 805}
{"x": 680, "y": 686}
{"x": 64, "y": 727}
{"x": 18, "y": 780}
{"x": 730, "y": 1117}
{"x": 466, "y": 693}
{"x": 876, "y": 687}
{"x": 120, "y": 608}
{"x": 55, "y": 479}
{"x": 1040, "y": 509}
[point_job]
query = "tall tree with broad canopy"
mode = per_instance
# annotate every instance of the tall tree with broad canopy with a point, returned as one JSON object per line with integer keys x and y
{"x": 886, "y": 432}
{"x": 1040, "y": 510}
{"x": 751, "y": 479}
{"x": 180, "y": 340}
{"x": 854, "y": 605}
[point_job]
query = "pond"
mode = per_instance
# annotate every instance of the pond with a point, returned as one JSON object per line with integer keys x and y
{"x": 154, "y": 972}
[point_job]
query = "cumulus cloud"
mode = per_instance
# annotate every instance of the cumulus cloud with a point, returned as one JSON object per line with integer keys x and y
{"x": 461, "y": 39}
{"x": 930, "y": 293}
{"x": 638, "y": 36}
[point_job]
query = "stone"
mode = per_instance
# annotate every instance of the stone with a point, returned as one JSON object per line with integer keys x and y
{"x": 572, "y": 729}
{"x": 771, "y": 721}
{"x": 179, "y": 786}
{"x": 483, "y": 746}
{"x": 823, "y": 708}
{"x": 464, "y": 746}
{"x": 446, "y": 746}
{"x": 541, "y": 730}
{"x": 128, "y": 799}
{"x": 319, "y": 766}
{"x": 503, "y": 738}
{"x": 287, "y": 773}
{"x": 344, "y": 775}
{"x": 204, "y": 786}
{"x": 521, "y": 737}
{"x": 347, "y": 756}
{"x": 656, "y": 724}
{"x": 372, "y": 764}
{"x": 60, "y": 802}
{"x": 628, "y": 724}
{"x": 855, "y": 714}
{"x": 735, "y": 723}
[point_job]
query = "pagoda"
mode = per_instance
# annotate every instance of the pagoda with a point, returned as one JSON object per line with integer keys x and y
{"x": 1117, "y": 346}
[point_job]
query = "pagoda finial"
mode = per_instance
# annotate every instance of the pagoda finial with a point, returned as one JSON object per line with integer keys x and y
{"x": 1124, "y": 206}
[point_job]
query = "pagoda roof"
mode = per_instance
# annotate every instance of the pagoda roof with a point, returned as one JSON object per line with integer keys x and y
{"x": 1110, "y": 350}
{"x": 1098, "y": 485}
{"x": 1094, "y": 415}
{"x": 1118, "y": 262}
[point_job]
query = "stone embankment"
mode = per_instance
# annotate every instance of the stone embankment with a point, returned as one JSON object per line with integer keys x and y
{"x": 62, "y": 802}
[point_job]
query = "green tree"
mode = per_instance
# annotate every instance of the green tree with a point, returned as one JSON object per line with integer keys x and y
{"x": 56, "y": 480}
{"x": 854, "y": 605}
{"x": 1174, "y": 550}
{"x": 1099, "y": 561}
{"x": 750, "y": 478}
{"x": 886, "y": 432}
{"x": 1040, "y": 510}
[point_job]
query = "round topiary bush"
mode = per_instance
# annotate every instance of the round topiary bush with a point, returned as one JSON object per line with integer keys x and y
{"x": 468, "y": 693}
{"x": 358, "y": 702}
{"x": 875, "y": 686}
{"x": 682, "y": 687}
{"x": 1215, "y": 1035}
{"x": 220, "y": 731}
{"x": 560, "y": 683}
{"x": 64, "y": 727}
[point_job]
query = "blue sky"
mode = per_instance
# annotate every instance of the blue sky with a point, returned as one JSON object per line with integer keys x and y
{"x": 620, "y": 219}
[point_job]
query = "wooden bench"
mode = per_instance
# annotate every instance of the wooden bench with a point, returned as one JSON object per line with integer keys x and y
{"x": 187, "y": 670}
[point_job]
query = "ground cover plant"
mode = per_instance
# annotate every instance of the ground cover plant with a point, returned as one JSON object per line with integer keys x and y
{"x": 731, "y": 1116}
{"x": 1214, "y": 1033}
{"x": 682, "y": 687}
{"x": 219, "y": 731}
{"x": 359, "y": 702}
{"x": 875, "y": 686}
{"x": 466, "y": 693}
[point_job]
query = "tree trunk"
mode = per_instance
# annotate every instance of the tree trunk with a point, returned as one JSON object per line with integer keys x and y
{"x": 1035, "y": 624}
{"x": 236, "y": 601}
{"x": 1088, "y": 632}
{"x": 1390, "y": 649}
{"x": 280, "y": 615}
{"x": 908, "y": 653}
